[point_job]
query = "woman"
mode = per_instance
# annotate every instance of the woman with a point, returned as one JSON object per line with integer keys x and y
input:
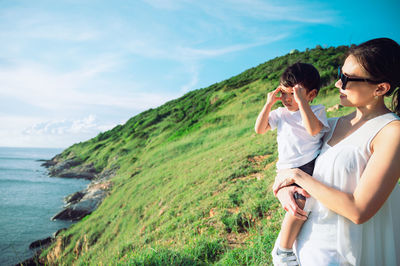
{"x": 355, "y": 196}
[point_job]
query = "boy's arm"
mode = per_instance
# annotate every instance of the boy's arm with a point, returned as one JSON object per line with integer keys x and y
{"x": 312, "y": 124}
{"x": 262, "y": 124}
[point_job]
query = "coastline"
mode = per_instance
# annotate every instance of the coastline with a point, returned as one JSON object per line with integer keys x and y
{"x": 78, "y": 204}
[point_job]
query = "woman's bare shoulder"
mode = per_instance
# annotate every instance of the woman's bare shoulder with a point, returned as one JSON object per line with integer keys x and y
{"x": 388, "y": 135}
{"x": 391, "y": 129}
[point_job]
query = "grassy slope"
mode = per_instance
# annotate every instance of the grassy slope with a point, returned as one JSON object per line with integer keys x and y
{"x": 193, "y": 185}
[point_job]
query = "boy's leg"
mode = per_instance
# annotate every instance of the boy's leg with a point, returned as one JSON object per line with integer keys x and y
{"x": 291, "y": 227}
{"x": 282, "y": 254}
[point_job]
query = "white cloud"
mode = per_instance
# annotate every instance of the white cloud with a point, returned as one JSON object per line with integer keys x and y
{"x": 191, "y": 53}
{"x": 36, "y": 23}
{"x": 65, "y": 127}
{"x": 49, "y": 133}
{"x": 282, "y": 11}
{"x": 231, "y": 10}
{"x": 184, "y": 52}
{"x": 66, "y": 62}
{"x": 78, "y": 89}
{"x": 63, "y": 33}
{"x": 11, "y": 132}
{"x": 194, "y": 79}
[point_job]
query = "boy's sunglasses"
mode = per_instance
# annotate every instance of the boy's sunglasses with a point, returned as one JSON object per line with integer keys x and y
{"x": 346, "y": 79}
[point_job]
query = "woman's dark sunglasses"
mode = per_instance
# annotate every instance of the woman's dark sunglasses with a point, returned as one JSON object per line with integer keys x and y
{"x": 346, "y": 79}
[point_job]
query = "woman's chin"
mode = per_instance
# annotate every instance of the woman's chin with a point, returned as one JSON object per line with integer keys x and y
{"x": 344, "y": 101}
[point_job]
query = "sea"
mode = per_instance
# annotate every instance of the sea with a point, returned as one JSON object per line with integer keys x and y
{"x": 29, "y": 197}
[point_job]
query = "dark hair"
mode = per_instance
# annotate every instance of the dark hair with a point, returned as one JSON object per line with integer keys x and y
{"x": 381, "y": 60}
{"x": 301, "y": 73}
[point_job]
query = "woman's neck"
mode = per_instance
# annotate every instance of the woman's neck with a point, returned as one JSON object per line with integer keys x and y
{"x": 368, "y": 112}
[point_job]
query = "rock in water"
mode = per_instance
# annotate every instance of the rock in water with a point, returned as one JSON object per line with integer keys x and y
{"x": 74, "y": 197}
{"x": 41, "y": 243}
{"x": 88, "y": 201}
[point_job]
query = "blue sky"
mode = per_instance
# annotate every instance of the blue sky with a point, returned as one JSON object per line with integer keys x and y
{"x": 70, "y": 69}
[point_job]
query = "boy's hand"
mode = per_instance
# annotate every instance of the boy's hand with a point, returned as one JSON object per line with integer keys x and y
{"x": 272, "y": 98}
{"x": 300, "y": 94}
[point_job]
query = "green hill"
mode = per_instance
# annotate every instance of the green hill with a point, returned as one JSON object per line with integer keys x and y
{"x": 193, "y": 179}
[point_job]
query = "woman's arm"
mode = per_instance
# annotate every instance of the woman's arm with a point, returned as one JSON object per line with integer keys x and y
{"x": 377, "y": 181}
{"x": 262, "y": 124}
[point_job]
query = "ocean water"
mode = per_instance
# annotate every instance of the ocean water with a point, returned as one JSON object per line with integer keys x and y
{"x": 28, "y": 199}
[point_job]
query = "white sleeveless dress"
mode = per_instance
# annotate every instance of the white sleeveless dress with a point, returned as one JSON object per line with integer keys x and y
{"x": 327, "y": 238}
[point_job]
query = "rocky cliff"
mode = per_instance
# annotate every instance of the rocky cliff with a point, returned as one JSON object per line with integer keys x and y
{"x": 81, "y": 203}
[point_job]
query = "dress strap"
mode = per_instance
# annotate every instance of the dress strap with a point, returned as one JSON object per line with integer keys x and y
{"x": 332, "y": 122}
{"x": 376, "y": 124}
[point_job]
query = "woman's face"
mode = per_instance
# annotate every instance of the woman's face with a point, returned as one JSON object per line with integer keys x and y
{"x": 356, "y": 93}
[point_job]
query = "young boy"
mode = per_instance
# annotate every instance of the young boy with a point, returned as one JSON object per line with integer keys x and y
{"x": 300, "y": 128}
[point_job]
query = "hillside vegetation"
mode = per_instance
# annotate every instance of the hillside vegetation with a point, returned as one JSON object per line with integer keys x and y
{"x": 193, "y": 183}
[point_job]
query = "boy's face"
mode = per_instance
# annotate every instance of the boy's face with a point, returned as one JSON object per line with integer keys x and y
{"x": 288, "y": 99}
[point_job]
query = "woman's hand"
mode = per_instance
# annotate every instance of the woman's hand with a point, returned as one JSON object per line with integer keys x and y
{"x": 286, "y": 198}
{"x": 285, "y": 178}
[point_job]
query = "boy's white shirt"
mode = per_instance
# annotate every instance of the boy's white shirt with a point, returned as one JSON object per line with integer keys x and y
{"x": 296, "y": 146}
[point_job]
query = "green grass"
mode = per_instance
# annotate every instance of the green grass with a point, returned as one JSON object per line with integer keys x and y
{"x": 193, "y": 185}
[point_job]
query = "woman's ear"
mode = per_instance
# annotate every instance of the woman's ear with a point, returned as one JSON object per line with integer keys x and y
{"x": 382, "y": 89}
